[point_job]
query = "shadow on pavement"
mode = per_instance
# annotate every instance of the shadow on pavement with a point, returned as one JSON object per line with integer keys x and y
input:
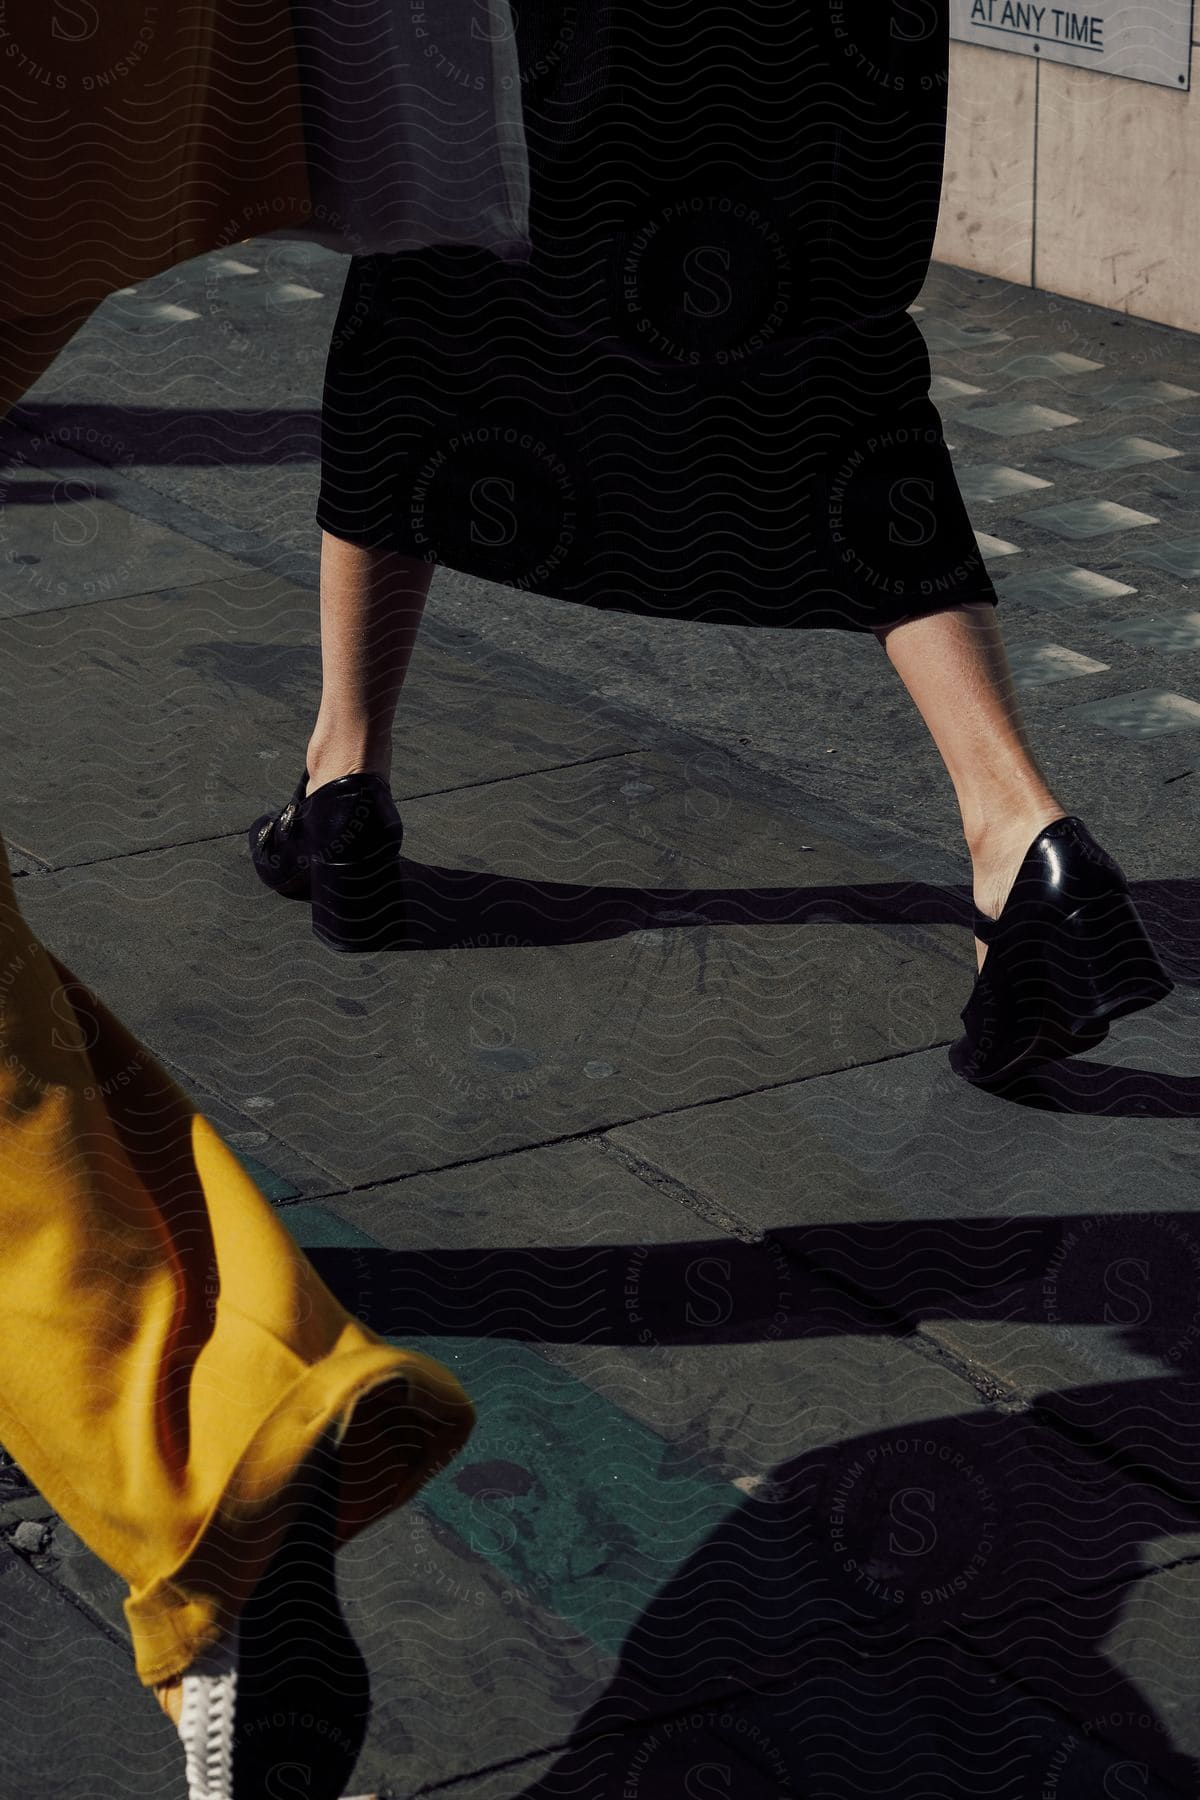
{"x": 919, "y": 1611}
{"x": 476, "y": 910}
{"x": 162, "y": 436}
{"x": 918, "y": 1614}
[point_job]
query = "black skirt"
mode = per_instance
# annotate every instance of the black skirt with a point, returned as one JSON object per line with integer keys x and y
{"x": 702, "y": 396}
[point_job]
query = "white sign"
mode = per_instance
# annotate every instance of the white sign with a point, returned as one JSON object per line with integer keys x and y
{"x": 1143, "y": 40}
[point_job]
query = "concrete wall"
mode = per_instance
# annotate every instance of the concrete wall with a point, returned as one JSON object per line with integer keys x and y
{"x": 1076, "y": 182}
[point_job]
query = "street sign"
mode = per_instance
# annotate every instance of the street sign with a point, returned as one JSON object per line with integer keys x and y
{"x": 1143, "y": 40}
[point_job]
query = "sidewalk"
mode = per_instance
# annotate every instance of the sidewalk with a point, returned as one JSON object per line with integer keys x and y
{"x": 838, "y": 1423}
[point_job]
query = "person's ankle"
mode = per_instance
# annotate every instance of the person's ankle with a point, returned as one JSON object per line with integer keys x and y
{"x": 169, "y": 1695}
{"x": 330, "y": 764}
{"x": 1014, "y": 825}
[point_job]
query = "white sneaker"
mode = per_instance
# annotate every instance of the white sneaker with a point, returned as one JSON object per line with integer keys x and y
{"x": 206, "y": 1719}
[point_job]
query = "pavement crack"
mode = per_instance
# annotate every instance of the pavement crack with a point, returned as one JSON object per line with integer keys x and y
{"x": 672, "y": 1188}
{"x": 992, "y": 1390}
{"x": 44, "y": 1572}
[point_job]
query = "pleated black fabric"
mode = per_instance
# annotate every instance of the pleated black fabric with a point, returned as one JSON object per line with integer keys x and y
{"x": 702, "y": 397}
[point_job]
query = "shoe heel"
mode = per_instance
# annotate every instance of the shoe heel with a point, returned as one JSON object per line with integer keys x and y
{"x": 360, "y": 906}
{"x": 1103, "y": 965}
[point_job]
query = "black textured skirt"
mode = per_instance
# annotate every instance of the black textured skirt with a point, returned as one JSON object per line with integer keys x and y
{"x": 702, "y": 396}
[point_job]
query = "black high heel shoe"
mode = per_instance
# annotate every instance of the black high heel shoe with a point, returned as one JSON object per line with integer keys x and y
{"x": 339, "y": 849}
{"x": 1067, "y": 954}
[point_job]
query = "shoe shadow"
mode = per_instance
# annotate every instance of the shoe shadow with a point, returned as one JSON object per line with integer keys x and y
{"x": 477, "y": 910}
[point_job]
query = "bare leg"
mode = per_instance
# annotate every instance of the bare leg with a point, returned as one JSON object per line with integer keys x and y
{"x": 955, "y": 667}
{"x": 372, "y": 602}
{"x": 169, "y": 1695}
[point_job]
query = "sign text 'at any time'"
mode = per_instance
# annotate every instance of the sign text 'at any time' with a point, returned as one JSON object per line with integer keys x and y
{"x": 1142, "y": 40}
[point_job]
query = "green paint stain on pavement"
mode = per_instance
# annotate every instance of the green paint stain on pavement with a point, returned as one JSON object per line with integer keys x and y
{"x": 275, "y": 1187}
{"x": 316, "y": 1229}
{"x": 581, "y": 1508}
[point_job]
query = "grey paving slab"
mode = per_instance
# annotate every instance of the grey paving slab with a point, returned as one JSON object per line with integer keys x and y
{"x": 282, "y": 1173}
{"x": 744, "y": 1361}
{"x": 271, "y": 445}
{"x": 443, "y": 1630}
{"x": 1136, "y": 1695}
{"x": 214, "y": 448}
{"x": 1168, "y": 490}
{"x": 66, "y": 1687}
{"x": 1126, "y": 394}
{"x": 1179, "y": 557}
{"x": 1034, "y": 664}
{"x": 595, "y": 942}
{"x": 915, "y": 1722}
{"x": 826, "y": 719}
{"x": 1040, "y": 365}
{"x": 993, "y": 547}
{"x": 182, "y": 715}
{"x": 995, "y": 481}
{"x": 21, "y": 863}
{"x": 861, "y": 1419}
{"x": 1155, "y": 1643}
{"x": 1120, "y": 785}
{"x": 1016, "y": 418}
{"x": 1171, "y": 636}
{"x": 942, "y": 333}
{"x": 1054, "y": 589}
{"x": 927, "y": 1721}
{"x": 936, "y": 1202}
{"x": 1078, "y": 520}
{"x": 204, "y": 384}
{"x": 871, "y": 1143}
{"x": 1145, "y": 713}
{"x": 558, "y": 1195}
{"x": 251, "y": 343}
{"x": 1106, "y": 453}
{"x": 775, "y": 1248}
{"x": 17, "y": 1511}
{"x": 771, "y": 700}
{"x": 685, "y": 1325}
{"x": 75, "y": 1570}
{"x": 946, "y": 390}
{"x": 1177, "y": 480}
{"x": 467, "y": 1671}
{"x": 64, "y": 544}
{"x": 509, "y": 1782}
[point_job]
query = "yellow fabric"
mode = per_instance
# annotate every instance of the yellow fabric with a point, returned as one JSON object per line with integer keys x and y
{"x": 169, "y": 1357}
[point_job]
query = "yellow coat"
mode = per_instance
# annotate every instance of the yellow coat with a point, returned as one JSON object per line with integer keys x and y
{"x": 168, "y": 1356}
